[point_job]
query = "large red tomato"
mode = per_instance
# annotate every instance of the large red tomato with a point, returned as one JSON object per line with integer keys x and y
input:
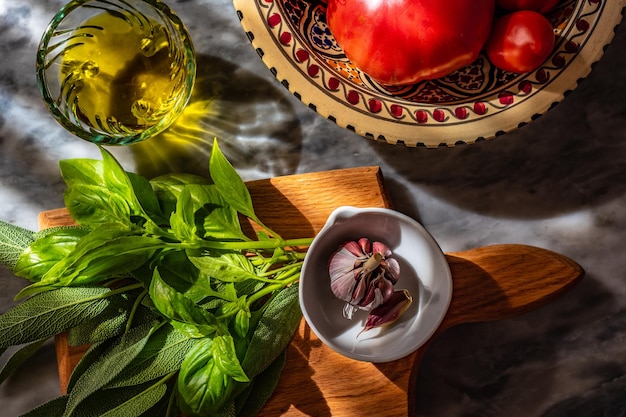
{"x": 520, "y": 41}
{"x": 399, "y": 42}
{"x": 541, "y": 6}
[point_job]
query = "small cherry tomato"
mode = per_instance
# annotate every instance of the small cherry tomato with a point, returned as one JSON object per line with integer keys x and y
{"x": 541, "y": 6}
{"x": 520, "y": 41}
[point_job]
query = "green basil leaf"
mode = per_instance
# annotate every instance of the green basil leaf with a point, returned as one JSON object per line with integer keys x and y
{"x": 101, "y": 192}
{"x": 45, "y": 252}
{"x": 82, "y": 171}
{"x": 111, "y": 249}
{"x": 13, "y": 240}
{"x": 192, "y": 331}
{"x": 242, "y": 320}
{"x": 217, "y": 220}
{"x": 108, "y": 366}
{"x": 181, "y": 274}
{"x": 147, "y": 197}
{"x": 18, "y": 358}
{"x": 225, "y": 266}
{"x": 209, "y": 375}
{"x": 229, "y": 183}
{"x": 237, "y": 307}
{"x": 176, "y": 307}
{"x": 274, "y": 331}
{"x": 47, "y": 314}
{"x": 202, "y": 212}
{"x": 182, "y": 220}
{"x": 93, "y": 206}
{"x": 226, "y": 358}
{"x": 169, "y": 186}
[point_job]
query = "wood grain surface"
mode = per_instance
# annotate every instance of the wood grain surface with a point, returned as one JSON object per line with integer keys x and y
{"x": 489, "y": 283}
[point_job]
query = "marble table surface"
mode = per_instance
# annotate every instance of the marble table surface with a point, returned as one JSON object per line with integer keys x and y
{"x": 557, "y": 183}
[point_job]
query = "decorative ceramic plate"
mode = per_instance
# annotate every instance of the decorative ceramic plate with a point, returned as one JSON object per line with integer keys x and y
{"x": 473, "y": 103}
{"x": 424, "y": 272}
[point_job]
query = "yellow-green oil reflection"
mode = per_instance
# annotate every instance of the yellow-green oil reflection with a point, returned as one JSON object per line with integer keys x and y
{"x": 255, "y": 124}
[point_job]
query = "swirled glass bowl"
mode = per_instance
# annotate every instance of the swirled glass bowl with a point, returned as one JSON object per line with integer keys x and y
{"x": 115, "y": 72}
{"x": 473, "y": 103}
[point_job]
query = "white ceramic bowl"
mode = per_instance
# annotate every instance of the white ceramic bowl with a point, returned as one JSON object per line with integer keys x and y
{"x": 424, "y": 271}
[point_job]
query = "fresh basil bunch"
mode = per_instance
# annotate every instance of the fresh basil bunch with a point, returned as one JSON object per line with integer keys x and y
{"x": 183, "y": 311}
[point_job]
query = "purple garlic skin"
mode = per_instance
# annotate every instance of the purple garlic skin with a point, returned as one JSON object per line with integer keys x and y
{"x": 363, "y": 274}
{"x": 390, "y": 311}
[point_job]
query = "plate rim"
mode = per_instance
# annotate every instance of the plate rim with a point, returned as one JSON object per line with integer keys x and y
{"x": 434, "y": 135}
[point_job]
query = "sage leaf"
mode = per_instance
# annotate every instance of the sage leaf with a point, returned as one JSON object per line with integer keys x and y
{"x": 134, "y": 401}
{"x": 112, "y": 321}
{"x": 108, "y": 366}
{"x": 250, "y": 401}
{"x": 92, "y": 355}
{"x": 19, "y": 358}
{"x": 52, "y": 408}
{"x": 163, "y": 354}
{"x": 13, "y": 240}
{"x": 47, "y": 314}
{"x": 282, "y": 312}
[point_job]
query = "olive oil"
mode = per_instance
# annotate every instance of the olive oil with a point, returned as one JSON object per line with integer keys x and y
{"x": 120, "y": 74}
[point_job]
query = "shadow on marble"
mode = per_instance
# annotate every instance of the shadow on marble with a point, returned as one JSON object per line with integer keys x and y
{"x": 34, "y": 384}
{"x": 572, "y": 157}
{"x": 555, "y": 352}
{"x": 256, "y": 127}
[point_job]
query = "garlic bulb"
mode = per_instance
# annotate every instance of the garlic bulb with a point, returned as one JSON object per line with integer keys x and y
{"x": 363, "y": 274}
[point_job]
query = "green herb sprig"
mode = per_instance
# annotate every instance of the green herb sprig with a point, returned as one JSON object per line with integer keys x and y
{"x": 184, "y": 312}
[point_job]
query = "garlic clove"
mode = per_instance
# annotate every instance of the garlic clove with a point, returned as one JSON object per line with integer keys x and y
{"x": 366, "y": 246}
{"x": 392, "y": 269}
{"x": 388, "y": 312}
{"x": 379, "y": 247}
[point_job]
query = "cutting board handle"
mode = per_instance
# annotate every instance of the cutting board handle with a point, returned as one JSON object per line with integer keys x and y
{"x": 496, "y": 282}
{"x": 489, "y": 283}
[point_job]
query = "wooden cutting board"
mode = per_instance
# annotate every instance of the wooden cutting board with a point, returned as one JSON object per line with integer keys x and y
{"x": 488, "y": 283}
